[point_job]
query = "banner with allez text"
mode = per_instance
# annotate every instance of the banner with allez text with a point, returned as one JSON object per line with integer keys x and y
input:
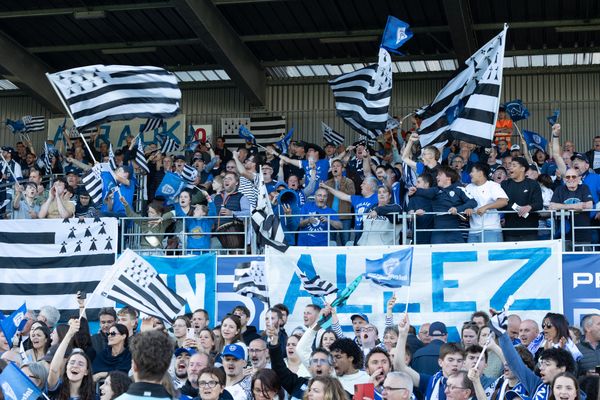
{"x": 449, "y": 282}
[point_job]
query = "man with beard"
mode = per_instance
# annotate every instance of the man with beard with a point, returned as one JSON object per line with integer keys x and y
{"x": 234, "y": 362}
{"x": 320, "y": 364}
{"x": 258, "y": 354}
{"x": 182, "y": 360}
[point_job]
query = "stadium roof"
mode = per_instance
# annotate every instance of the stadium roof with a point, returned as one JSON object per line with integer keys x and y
{"x": 250, "y": 41}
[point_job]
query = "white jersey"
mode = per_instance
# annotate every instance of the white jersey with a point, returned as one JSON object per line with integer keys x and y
{"x": 485, "y": 194}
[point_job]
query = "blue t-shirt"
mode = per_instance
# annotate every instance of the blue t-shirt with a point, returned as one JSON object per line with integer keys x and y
{"x": 316, "y": 234}
{"x": 361, "y": 205}
{"x": 322, "y": 167}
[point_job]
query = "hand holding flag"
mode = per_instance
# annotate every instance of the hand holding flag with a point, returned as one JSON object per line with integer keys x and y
{"x": 14, "y": 323}
{"x": 554, "y": 117}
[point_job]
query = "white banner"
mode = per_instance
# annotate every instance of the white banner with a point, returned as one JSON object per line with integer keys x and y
{"x": 449, "y": 282}
{"x": 204, "y": 133}
{"x": 116, "y": 132}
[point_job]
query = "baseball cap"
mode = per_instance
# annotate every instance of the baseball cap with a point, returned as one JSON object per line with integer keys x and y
{"x": 363, "y": 316}
{"x": 437, "y": 329}
{"x": 9, "y": 149}
{"x": 580, "y": 156}
{"x": 234, "y": 350}
{"x": 188, "y": 350}
{"x": 72, "y": 170}
{"x": 180, "y": 157}
{"x": 515, "y": 147}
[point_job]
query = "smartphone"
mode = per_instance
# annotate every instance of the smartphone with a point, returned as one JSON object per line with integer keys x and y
{"x": 364, "y": 390}
{"x": 598, "y": 369}
{"x": 81, "y": 295}
{"x": 191, "y": 333}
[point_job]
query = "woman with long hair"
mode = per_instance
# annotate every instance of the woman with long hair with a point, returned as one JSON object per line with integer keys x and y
{"x": 40, "y": 342}
{"x": 116, "y": 356}
{"x": 266, "y": 386}
{"x": 292, "y": 359}
{"x": 180, "y": 327}
{"x": 327, "y": 339}
{"x": 555, "y": 329}
{"x": 231, "y": 330}
{"x": 324, "y": 388}
{"x": 565, "y": 387}
{"x": 207, "y": 342}
{"x": 76, "y": 379}
{"x": 115, "y": 384}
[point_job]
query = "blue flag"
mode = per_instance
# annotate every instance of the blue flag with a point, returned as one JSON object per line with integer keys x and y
{"x": 170, "y": 187}
{"x": 108, "y": 183}
{"x": 17, "y": 126}
{"x": 534, "y": 140}
{"x": 554, "y": 117}
{"x": 284, "y": 142}
{"x": 396, "y": 33}
{"x": 16, "y": 385}
{"x": 13, "y": 323}
{"x": 190, "y": 135}
{"x": 392, "y": 270}
{"x": 246, "y": 134}
{"x": 516, "y": 110}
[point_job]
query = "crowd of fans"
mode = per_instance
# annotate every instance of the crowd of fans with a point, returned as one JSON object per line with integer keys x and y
{"x": 497, "y": 357}
{"x": 324, "y": 195}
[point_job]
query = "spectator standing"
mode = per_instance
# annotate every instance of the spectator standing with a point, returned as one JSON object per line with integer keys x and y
{"x": 593, "y": 155}
{"x": 429, "y": 155}
{"x": 24, "y": 205}
{"x": 107, "y": 318}
{"x": 316, "y": 221}
{"x": 57, "y": 205}
{"x": 590, "y": 345}
{"x": 339, "y": 182}
{"x": 524, "y": 197}
{"x": 485, "y": 227}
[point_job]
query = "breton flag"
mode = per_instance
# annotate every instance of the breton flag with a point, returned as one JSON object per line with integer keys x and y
{"x": 152, "y": 124}
{"x": 169, "y": 145}
{"x": 134, "y": 281}
{"x": 284, "y": 143}
{"x": 315, "y": 286}
{"x": 47, "y": 161}
{"x": 249, "y": 280}
{"x": 140, "y": 157}
{"x": 362, "y": 97}
{"x": 331, "y": 136}
{"x": 467, "y": 107}
{"x": 93, "y": 182}
{"x": 53, "y": 259}
{"x": 102, "y": 93}
{"x": 189, "y": 175}
{"x": 265, "y": 222}
{"x": 111, "y": 158}
{"x": 266, "y": 130}
{"x": 34, "y": 124}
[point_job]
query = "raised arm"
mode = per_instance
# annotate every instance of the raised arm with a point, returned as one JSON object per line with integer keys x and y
{"x": 400, "y": 351}
{"x": 297, "y": 163}
{"x": 407, "y": 152}
{"x": 337, "y": 193}
{"x": 56, "y": 366}
{"x": 240, "y": 167}
{"x": 474, "y": 377}
{"x": 560, "y": 163}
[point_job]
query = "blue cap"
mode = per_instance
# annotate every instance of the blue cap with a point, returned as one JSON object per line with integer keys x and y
{"x": 188, "y": 350}
{"x": 437, "y": 328}
{"x": 363, "y": 316}
{"x": 280, "y": 183}
{"x": 234, "y": 350}
{"x": 72, "y": 170}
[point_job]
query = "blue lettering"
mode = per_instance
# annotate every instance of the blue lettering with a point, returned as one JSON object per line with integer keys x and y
{"x": 295, "y": 290}
{"x": 439, "y": 284}
{"x": 158, "y": 138}
{"x": 400, "y": 307}
{"x": 535, "y": 258}
{"x": 123, "y": 136}
{"x": 340, "y": 268}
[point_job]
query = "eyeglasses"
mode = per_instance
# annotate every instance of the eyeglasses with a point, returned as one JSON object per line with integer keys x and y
{"x": 570, "y": 176}
{"x": 546, "y": 326}
{"x": 451, "y": 387}
{"x": 209, "y": 384}
{"x": 319, "y": 361}
{"x": 256, "y": 350}
{"x": 368, "y": 329}
{"x": 391, "y": 389}
{"x": 113, "y": 333}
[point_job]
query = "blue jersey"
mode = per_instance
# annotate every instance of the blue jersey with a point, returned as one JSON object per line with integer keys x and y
{"x": 361, "y": 206}
{"x": 315, "y": 234}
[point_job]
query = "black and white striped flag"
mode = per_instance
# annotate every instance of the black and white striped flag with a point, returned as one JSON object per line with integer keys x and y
{"x": 47, "y": 160}
{"x": 134, "y": 281}
{"x": 169, "y": 145}
{"x": 189, "y": 175}
{"x": 111, "y": 158}
{"x": 140, "y": 157}
{"x": 362, "y": 97}
{"x": 331, "y": 136}
{"x": 47, "y": 261}
{"x": 100, "y": 93}
{"x": 86, "y": 133}
{"x": 249, "y": 280}
{"x": 34, "y": 124}
{"x": 93, "y": 182}
{"x": 266, "y": 224}
{"x": 151, "y": 124}
{"x": 266, "y": 130}
{"x": 315, "y": 286}
{"x": 467, "y": 107}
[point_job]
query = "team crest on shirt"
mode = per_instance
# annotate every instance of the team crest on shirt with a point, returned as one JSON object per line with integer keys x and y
{"x": 451, "y": 193}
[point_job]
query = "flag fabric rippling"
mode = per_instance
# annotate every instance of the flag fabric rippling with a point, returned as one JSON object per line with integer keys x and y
{"x": 331, "y": 136}
{"x": 362, "y": 97}
{"x": 467, "y": 107}
{"x": 315, "y": 286}
{"x": 265, "y": 222}
{"x": 169, "y": 145}
{"x": 250, "y": 280}
{"x": 101, "y": 93}
{"x": 140, "y": 157}
{"x": 34, "y": 124}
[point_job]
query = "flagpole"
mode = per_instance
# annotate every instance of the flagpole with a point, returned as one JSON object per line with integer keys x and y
{"x": 7, "y": 166}
{"x": 404, "y": 118}
{"x": 407, "y": 299}
{"x": 485, "y": 346}
{"x": 62, "y": 100}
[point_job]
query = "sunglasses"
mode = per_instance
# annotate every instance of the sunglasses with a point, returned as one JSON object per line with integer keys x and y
{"x": 113, "y": 333}
{"x": 546, "y": 326}
{"x": 570, "y": 176}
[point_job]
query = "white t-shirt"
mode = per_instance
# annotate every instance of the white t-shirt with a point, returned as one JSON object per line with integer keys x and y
{"x": 487, "y": 193}
{"x": 348, "y": 381}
